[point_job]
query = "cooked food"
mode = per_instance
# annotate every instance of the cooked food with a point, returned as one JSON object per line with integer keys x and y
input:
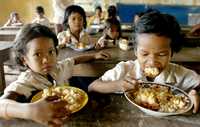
{"x": 151, "y": 72}
{"x": 80, "y": 45}
{"x": 73, "y": 96}
{"x": 159, "y": 98}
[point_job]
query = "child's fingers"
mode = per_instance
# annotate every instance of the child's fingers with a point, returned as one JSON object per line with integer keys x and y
{"x": 195, "y": 98}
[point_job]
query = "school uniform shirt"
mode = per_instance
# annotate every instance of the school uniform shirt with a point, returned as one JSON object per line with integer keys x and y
{"x": 30, "y": 81}
{"x": 43, "y": 21}
{"x": 173, "y": 74}
{"x": 83, "y": 38}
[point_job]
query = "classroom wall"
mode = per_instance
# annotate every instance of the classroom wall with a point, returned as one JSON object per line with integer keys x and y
{"x": 25, "y": 8}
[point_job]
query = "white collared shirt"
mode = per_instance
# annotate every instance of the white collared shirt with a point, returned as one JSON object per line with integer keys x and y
{"x": 29, "y": 81}
{"x": 173, "y": 74}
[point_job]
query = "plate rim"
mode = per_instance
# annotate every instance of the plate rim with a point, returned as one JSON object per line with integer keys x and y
{"x": 82, "y": 105}
{"x": 157, "y": 113}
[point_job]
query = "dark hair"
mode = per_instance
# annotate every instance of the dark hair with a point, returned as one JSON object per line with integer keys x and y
{"x": 40, "y": 9}
{"x": 113, "y": 22}
{"x": 112, "y": 11}
{"x": 161, "y": 25}
{"x": 74, "y": 9}
{"x": 98, "y": 8}
{"x": 28, "y": 33}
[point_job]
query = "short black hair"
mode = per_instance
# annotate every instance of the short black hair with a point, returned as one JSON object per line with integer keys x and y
{"x": 27, "y": 33}
{"x": 112, "y": 11}
{"x": 161, "y": 25}
{"x": 98, "y": 8}
{"x": 74, "y": 9}
{"x": 113, "y": 22}
{"x": 40, "y": 9}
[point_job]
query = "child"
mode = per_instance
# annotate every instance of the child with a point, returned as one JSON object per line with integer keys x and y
{"x": 112, "y": 33}
{"x": 112, "y": 13}
{"x": 157, "y": 38}
{"x": 14, "y": 20}
{"x": 74, "y": 26}
{"x": 98, "y": 17}
{"x": 35, "y": 49}
{"x": 40, "y": 18}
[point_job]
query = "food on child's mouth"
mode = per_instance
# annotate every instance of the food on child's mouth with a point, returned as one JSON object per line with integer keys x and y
{"x": 151, "y": 72}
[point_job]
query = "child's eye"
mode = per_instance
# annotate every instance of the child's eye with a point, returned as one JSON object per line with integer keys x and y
{"x": 163, "y": 54}
{"x": 144, "y": 54}
{"x": 37, "y": 54}
{"x": 52, "y": 52}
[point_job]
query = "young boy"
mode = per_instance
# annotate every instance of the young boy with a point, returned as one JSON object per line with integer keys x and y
{"x": 157, "y": 38}
{"x": 40, "y": 17}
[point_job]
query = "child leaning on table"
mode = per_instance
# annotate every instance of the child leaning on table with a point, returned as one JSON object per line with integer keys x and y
{"x": 74, "y": 27}
{"x": 35, "y": 49}
{"x": 157, "y": 37}
{"x": 111, "y": 34}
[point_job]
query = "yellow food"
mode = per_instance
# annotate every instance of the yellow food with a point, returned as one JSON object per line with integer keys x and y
{"x": 159, "y": 98}
{"x": 74, "y": 97}
{"x": 151, "y": 72}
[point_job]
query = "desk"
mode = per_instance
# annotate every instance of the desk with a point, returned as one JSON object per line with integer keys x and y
{"x": 8, "y": 35}
{"x": 113, "y": 110}
{"x": 190, "y": 57}
{"x": 4, "y": 56}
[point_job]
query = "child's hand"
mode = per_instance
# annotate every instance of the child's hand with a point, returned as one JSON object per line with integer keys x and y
{"x": 196, "y": 99}
{"x": 101, "y": 43}
{"x": 128, "y": 83}
{"x": 49, "y": 111}
{"x": 102, "y": 55}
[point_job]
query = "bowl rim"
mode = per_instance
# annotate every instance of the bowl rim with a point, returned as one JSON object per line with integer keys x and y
{"x": 157, "y": 113}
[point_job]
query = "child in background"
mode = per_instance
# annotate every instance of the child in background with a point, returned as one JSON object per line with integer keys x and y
{"x": 111, "y": 34}
{"x": 35, "y": 49}
{"x": 74, "y": 25}
{"x": 157, "y": 37}
{"x": 112, "y": 13}
{"x": 97, "y": 18}
{"x": 40, "y": 18}
{"x": 14, "y": 20}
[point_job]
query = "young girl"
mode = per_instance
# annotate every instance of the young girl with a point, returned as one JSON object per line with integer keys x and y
{"x": 98, "y": 17}
{"x": 157, "y": 38}
{"x": 40, "y": 17}
{"x": 74, "y": 26}
{"x": 14, "y": 20}
{"x": 35, "y": 49}
{"x": 112, "y": 33}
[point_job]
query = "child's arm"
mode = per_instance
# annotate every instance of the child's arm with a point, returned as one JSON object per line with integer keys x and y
{"x": 113, "y": 86}
{"x": 196, "y": 99}
{"x": 49, "y": 107}
{"x": 89, "y": 57}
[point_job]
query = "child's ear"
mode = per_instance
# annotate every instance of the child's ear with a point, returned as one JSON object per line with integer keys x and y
{"x": 23, "y": 60}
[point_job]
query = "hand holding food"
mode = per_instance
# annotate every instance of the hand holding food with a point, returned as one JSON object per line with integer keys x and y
{"x": 49, "y": 111}
{"x": 128, "y": 83}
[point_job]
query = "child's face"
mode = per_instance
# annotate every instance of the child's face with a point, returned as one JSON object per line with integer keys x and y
{"x": 41, "y": 55}
{"x": 113, "y": 32}
{"x": 153, "y": 51}
{"x": 75, "y": 22}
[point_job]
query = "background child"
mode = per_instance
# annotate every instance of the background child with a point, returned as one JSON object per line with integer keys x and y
{"x": 40, "y": 18}
{"x": 14, "y": 20}
{"x": 112, "y": 12}
{"x": 112, "y": 32}
{"x": 98, "y": 17}
{"x": 157, "y": 38}
{"x": 74, "y": 26}
{"x": 35, "y": 48}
